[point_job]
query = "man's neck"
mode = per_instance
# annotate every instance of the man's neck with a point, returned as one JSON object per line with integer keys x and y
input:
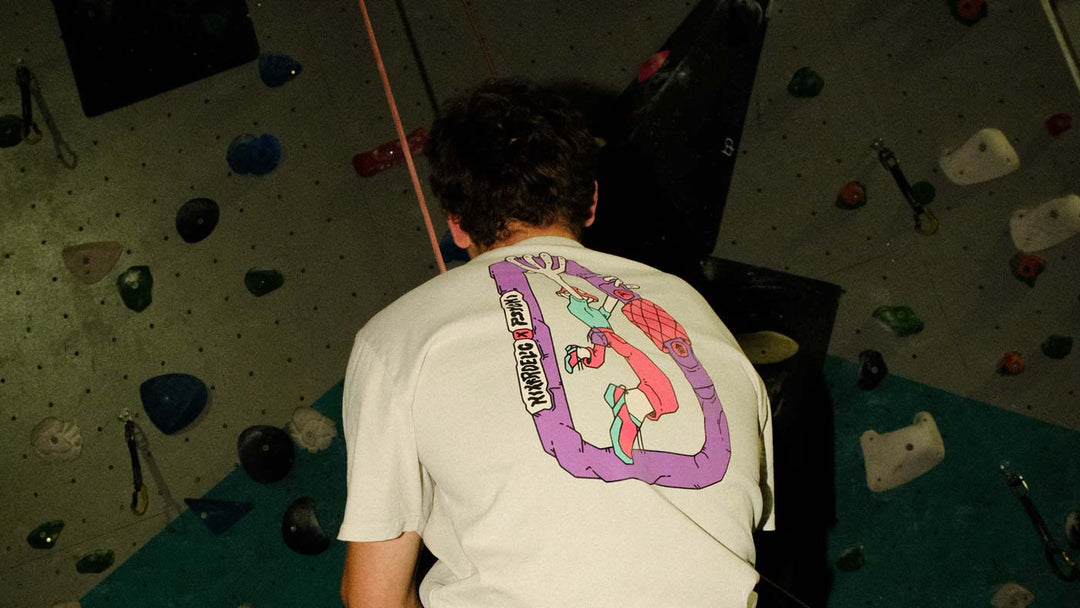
{"x": 520, "y": 231}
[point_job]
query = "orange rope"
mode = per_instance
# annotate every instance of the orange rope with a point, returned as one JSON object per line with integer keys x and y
{"x": 480, "y": 38}
{"x": 404, "y": 141}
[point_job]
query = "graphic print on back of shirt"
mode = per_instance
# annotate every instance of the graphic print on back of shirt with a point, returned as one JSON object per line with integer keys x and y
{"x": 540, "y": 365}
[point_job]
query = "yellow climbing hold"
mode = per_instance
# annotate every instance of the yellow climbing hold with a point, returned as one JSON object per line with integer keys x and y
{"x": 764, "y": 347}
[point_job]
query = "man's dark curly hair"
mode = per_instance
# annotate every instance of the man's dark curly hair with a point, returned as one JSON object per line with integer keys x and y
{"x": 512, "y": 151}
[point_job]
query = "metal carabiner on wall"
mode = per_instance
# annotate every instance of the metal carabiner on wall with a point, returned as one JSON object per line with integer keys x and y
{"x": 139, "y": 500}
{"x": 925, "y": 220}
{"x": 1061, "y": 563}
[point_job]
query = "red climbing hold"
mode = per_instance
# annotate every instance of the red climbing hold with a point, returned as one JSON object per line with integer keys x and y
{"x": 968, "y": 12}
{"x": 1027, "y": 267}
{"x": 851, "y": 196}
{"x": 652, "y": 65}
{"x": 1011, "y": 364}
{"x": 389, "y": 154}
{"x": 1058, "y": 124}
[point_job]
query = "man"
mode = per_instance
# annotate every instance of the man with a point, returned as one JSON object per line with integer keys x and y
{"x": 561, "y": 427}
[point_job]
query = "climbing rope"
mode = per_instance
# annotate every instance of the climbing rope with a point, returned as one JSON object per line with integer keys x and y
{"x": 480, "y": 39}
{"x": 402, "y": 139}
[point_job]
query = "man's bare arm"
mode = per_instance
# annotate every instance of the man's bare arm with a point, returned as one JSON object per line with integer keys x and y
{"x": 380, "y": 574}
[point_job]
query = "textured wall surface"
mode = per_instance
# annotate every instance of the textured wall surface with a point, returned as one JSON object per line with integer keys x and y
{"x": 906, "y": 72}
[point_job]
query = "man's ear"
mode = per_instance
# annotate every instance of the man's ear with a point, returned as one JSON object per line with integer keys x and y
{"x": 461, "y": 238}
{"x": 592, "y": 210}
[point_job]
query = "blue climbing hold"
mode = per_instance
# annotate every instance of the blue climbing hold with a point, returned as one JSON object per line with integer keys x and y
{"x": 275, "y": 70}
{"x": 450, "y": 251}
{"x": 218, "y": 515}
{"x": 255, "y": 155}
{"x": 261, "y": 282}
{"x": 173, "y": 401}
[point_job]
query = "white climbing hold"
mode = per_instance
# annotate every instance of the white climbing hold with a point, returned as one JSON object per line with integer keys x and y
{"x": 899, "y": 456}
{"x": 985, "y": 156}
{"x": 1011, "y": 595}
{"x": 56, "y": 440}
{"x": 311, "y": 430}
{"x": 1047, "y": 225}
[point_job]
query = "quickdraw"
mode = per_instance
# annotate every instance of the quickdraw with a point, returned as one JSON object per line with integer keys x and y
{"x": 925, "y": 221}
{"x": 1061, "y": 563}
{"x": 30, "y": 92}
{"x": 139, "y": 500}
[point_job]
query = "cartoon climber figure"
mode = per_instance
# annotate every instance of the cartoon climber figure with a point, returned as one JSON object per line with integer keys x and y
{"x": 654, "y": 395}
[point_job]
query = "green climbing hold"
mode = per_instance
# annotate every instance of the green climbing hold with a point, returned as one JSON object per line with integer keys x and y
{"x": 923, "y": 192}
{"x": 10, "y": 130}
{"x": 95, "y": 561}
{"x": 262, "y": 282}
{"x": 851, "y": 559}
{"x": 901, "y": 320}
{"x": 44, "y": 536}
{"x": 135, "y": 285}
{"x": 1057, "y": 346}
{"x": 805, "y": 83}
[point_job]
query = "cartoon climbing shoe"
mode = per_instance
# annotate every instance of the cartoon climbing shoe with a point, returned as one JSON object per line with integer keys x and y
{"x": 624, "y": 428}
{"x": 576, "y": 356}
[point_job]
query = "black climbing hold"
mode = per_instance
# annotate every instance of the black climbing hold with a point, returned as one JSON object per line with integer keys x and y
{"x": 196, "y": 219}
{"x": 136, "y": 286}
{"x": 10, "y": 130}
{"x": 872, "y": 369}
{"x": 805, "y": 82}
{"x": 255, "y": 155}
{"x": 275, "y": 69}
{"x": 266, "y": 453}
{"x": 262, "y": 281}
{"x": 44, "y": 536}
{"x": 1057, "y": 346}
{"x": 851, "y": 559}
{"x": 218, "y": 515}
{"x": 301, "y": 529}
{"x": 95, "y": 561}
{"x": 173, "y": 401}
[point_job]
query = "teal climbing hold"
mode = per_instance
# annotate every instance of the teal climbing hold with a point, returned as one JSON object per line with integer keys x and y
{"x": 136, "y": 286}
{"x": 95, "y": 561}
{"x": 44, "y": 536}
{"x": 853, "y": 558}
{"x": 173, "y": 401}
{"x": 218, "y": 515}
{"x": 923, "y": 192}
{"x": 262, "y": 281}
{"x": 1057, "y": 346}
{"x": 10, "y": 130}
{"x": 805, "y": 83}
{"x": 901, "y": 320}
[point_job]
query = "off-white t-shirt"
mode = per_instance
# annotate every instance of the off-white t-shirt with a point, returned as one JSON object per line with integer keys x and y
{"x": 492, "y": 410}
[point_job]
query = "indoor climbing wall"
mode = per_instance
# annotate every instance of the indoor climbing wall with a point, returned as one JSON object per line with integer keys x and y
{"x": 199, "y": 254}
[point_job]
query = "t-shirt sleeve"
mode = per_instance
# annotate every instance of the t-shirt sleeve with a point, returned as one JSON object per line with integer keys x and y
{"x": 389, "y": 492}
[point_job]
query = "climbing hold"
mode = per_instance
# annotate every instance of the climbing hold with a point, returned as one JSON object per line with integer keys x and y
{"x": 275, "y": 70}
{"x": 56, "y": 440}
{"x": 872, "y": 369}
{"x": 450, "y": 251}
{"x": 10, "y": 130}
{"x": 196, "y": 219}
{"x": 95, "y": 561}
{"x": 1049, "y": 224}
{"x": 136, "y": 287}
{"x": 218, "y": 515}
{"x": 1027, "y": 267}
{"x": 1011, "y": 364}
{"x": 984, "y": 156}
{"x": 266, "y": 453}
{"x": 377, "y": 160}
{"x": 897, "y": 457}
{"x": 968, "y": 12}
{"x": 1058, "y": 124}
{"x": 923, "y": 192}
{"x": 805, "y": 83}
{"x": 765, "y": 347}
{"x": 1011, "y": 595}
{"x": 853, "y": 558}
{"x": 301, "y": 529}
{"x": 173, "y": 401}
{"x": 901, "y": 320}
{"x": 851, "y": 196}
{"x": 90, "y": 262}
{"x": 44, "y": 536}
{"x": 1072, "y": 528}
{"x": 1057, "y": 346}
{"x": 254, "y": 155}
{"x": 652, "y": 65}
{"x": 262, "y": 281}
{"x": 311, "y": 430}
